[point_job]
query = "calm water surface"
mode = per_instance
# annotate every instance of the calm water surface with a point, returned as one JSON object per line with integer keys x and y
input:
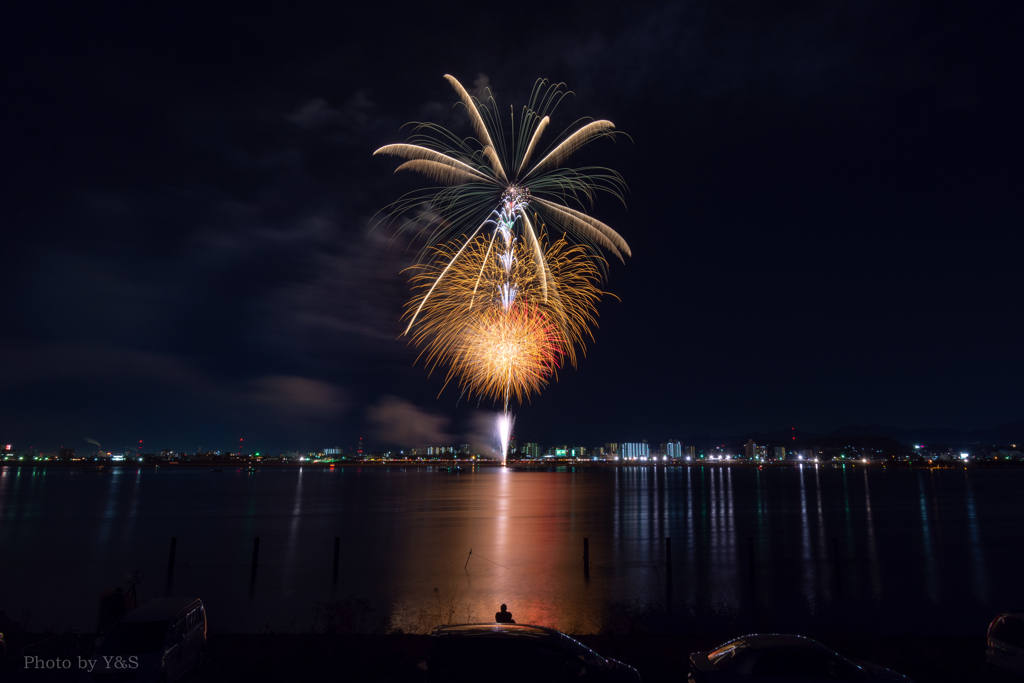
{"x": 790, "y": 549}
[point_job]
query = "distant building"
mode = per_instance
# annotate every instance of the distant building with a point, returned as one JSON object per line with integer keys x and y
{"x": 780, "y": 452}
{"x": 940, "y": 452}
{"x": 673, "y": 450}
{"x": 332, "y": 451}
{"x": 436, "y": 451}
{"x": 66, "y": 453}
{"x": 530, "y": 450}
{"x": 749, "y": 449}
{"x": 634, "y": 451}
{"x": 1005, "y": 454}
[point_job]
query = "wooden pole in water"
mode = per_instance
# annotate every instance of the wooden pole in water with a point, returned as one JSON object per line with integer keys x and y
{"x": 255, "y": 555}
{"x": 337, "y": 550}
{"x": 586, "y": 557}
{"x": 255, "y": 563}
{"x": 835, "y": 548}
{"x": 467, "y": 559}
{"x": 750, "y": 548}
{"x": 170, "y": 566}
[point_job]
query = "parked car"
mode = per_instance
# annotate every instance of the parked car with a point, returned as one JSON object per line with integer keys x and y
{"x": 785, "y": 659}
{"x": 517, "y": 652}
{"x": 1006, "y": 642}
{"x": 160, "y": 641}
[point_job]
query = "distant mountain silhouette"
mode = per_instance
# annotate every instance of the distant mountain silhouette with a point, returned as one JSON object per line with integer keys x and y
{"x": 1009, "y": 433}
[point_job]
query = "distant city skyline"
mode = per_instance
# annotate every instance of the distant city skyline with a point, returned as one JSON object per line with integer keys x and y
{"x": 1009, "y": 433}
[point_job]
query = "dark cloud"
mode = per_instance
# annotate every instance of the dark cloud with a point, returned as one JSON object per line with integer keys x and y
{"x": 276, "y": 397}
{"x": 297, "y": 396}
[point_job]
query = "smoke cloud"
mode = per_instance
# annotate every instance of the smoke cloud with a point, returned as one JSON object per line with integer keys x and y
{"x": 483, "y": 437}
{"x": 399, "y": 422}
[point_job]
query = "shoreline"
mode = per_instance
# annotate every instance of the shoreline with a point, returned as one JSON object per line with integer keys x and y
{"x": 468, "y": 465}
{"x": 273, "y": 656}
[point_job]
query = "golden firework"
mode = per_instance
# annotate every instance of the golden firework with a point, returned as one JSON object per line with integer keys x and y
{"x": 497, "y": 305}
{"x": 501, "y": 320}
{"x": 506, "y": 353}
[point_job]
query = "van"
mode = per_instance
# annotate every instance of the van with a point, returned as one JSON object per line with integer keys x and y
{"x": 1006, "y": 642}
{"x": 158, "y": 642}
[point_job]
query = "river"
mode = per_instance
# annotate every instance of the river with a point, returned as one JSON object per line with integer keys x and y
{"x": 793, "y": 549}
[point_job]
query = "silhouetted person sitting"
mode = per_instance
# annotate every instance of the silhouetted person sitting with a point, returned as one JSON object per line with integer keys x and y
{"x": 112, "y": 608}
{"x": 504, "y": 616}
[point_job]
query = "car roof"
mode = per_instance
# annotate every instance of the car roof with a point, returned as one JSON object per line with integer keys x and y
{"x": 765, "y": 641}
{"x": 495, "y": 630}
{"x": 163, "y": 609}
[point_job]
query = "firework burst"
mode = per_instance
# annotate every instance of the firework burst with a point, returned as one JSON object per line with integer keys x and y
{"x": 495, "y": 303}
{"x": 506, "y": 353}
{"x": 495, "y": 182}
{"x": 488, "y": 306}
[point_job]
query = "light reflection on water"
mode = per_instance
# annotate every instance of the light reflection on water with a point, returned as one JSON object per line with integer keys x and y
{"x": 930, "y": 568}
{"x": 781, "y": 549}
{"x": 808, "y": 564}
{"x": 875, "y": 568}
{"x": 976, "y": 553}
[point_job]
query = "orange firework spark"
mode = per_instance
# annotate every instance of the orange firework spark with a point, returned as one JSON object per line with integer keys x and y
{"x": 506, "y": 353}
{"x": 500, "y": 326}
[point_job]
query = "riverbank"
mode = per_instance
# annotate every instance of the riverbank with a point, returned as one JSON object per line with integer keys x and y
{"x": 457, "y": 466}
{"x": 387, "y": 658}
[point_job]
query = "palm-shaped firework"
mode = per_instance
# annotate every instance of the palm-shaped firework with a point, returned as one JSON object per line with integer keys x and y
{"x": 497, "y": 304}
{"x": 490, "y": 175}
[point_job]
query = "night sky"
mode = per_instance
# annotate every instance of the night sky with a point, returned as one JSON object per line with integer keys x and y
{"x": 825, "y": 214}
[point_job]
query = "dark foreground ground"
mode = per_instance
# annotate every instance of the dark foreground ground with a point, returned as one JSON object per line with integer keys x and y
{"x": 372, "y": 658}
